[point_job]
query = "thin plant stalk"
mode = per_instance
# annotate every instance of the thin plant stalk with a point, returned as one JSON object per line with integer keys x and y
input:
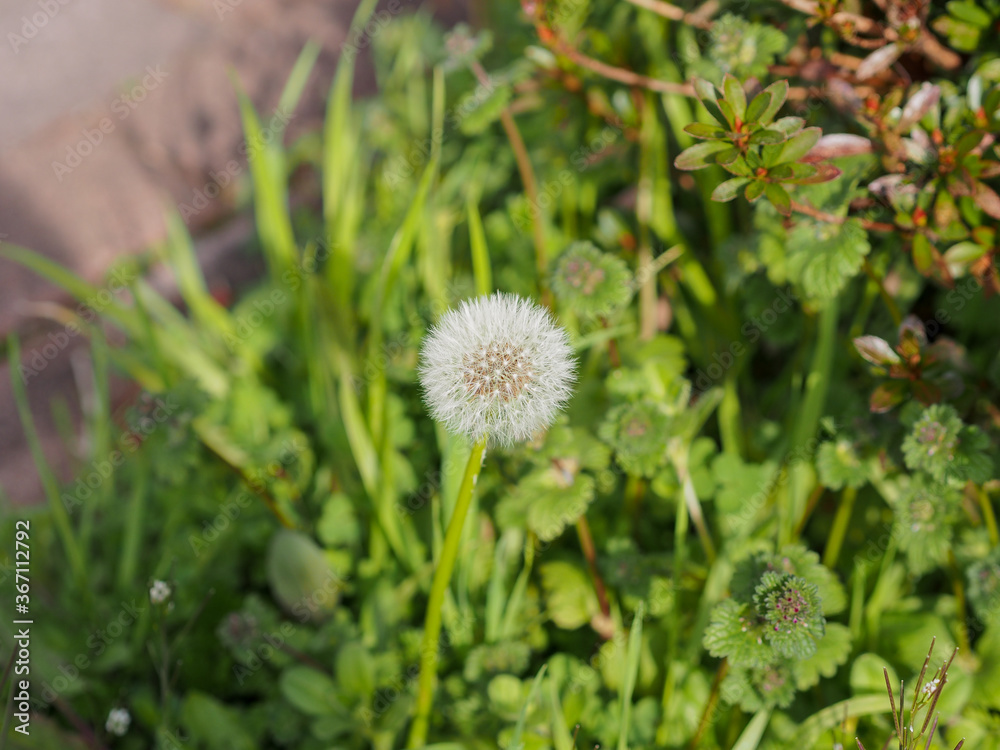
{"x": 840, "y": 523}
{"x": 589, "y": 552}
{"x": 439, "y": 587}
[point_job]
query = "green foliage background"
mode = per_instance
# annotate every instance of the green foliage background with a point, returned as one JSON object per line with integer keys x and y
{"x": 777, "y": 476}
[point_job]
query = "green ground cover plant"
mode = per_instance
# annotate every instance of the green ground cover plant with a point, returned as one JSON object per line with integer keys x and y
{"x": 715, "y": 470}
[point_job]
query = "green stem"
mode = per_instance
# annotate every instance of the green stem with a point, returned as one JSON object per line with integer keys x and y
{"x": 439, "y": 587}
{"x": 673, "y": 634}
{"x": 840, "y": 523}
{"x": 988, "y": 515}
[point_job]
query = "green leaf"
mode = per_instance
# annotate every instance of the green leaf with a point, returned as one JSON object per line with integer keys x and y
{"x": 709, "y": 99}
{"x": 867, "y": 675}
{"x": 570, "y": 598}
{"x": 735, "y": 96}
{"x": 309, "y": 690}
{"x": 970, "y": 12}
{"x": 823, "y": 258}
{"x": 700, "y": 155}
{"x": 338, "y": 524}
{"x": 832, "y": 651}
{"x": 704, "y": 130}
{"x": 355, "y": 671}
{"x": 479, "y": 115}
{"x": 797, "y": 146}
{"x": 923, "y": 254}
{"x": 550, "y": 513}
{"x": 300, "y": 575}
{"x": 758, "y": 106}
{"x": 779, "y": 198}
{"x": 778, "y": 92}
{"x": 216, "y": 726}
{"x": 838, "y": 465}
{"x": 766, "y": 136}
{"x": 729, "y": 189}
{"x": 755, "y": 189}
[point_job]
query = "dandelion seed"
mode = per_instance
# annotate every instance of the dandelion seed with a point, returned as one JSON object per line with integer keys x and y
{"x": 497, "y": 368}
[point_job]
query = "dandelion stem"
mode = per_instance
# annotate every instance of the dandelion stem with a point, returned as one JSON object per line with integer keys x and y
{"x": 439, "y": 586}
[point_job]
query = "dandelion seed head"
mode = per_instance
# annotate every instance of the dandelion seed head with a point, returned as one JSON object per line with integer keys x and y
{"x": 498, "y": 368}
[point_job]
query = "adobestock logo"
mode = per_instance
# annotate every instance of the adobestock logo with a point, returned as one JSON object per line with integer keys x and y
{"x": 33, "y": 24}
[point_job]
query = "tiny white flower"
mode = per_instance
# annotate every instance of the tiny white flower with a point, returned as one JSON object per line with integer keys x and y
{"x": 159, "y": 592}
{"x": 118, "y": 721}
{"x": 498, "y": 368}
{"x": 931, "y": 686}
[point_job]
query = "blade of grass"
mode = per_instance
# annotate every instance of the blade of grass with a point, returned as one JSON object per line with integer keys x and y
{"x": 50, "y": 484}
{"x": 267, "y": 174}
{"x": 630, "y": 676}
{"x": 128, "y": 561}
{"x": 511, "y": 617}
{"x": 176, "y": 341}
{"x": 184, "y": 263}
{"x": 295, "y": 84}
{"x": 80, "y": 289}
{"x": 100, "y": 430}
{"x": 754, "y": 731}
{"x": 480, "y": 251}
{"x": 397, "y": 255}
{"x": 561, "y": 737}
{"x": 339, "y": 165}
{"x": 516, "y": 743}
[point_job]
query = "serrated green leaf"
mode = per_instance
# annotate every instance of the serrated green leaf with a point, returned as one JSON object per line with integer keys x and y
{"x": 831, "y": 652}
{"x": 550, "y": 513}
{"x": 823, "y": 258}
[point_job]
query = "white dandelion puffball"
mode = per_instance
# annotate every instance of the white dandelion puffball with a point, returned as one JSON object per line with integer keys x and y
{"x": 497, "y": 368}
